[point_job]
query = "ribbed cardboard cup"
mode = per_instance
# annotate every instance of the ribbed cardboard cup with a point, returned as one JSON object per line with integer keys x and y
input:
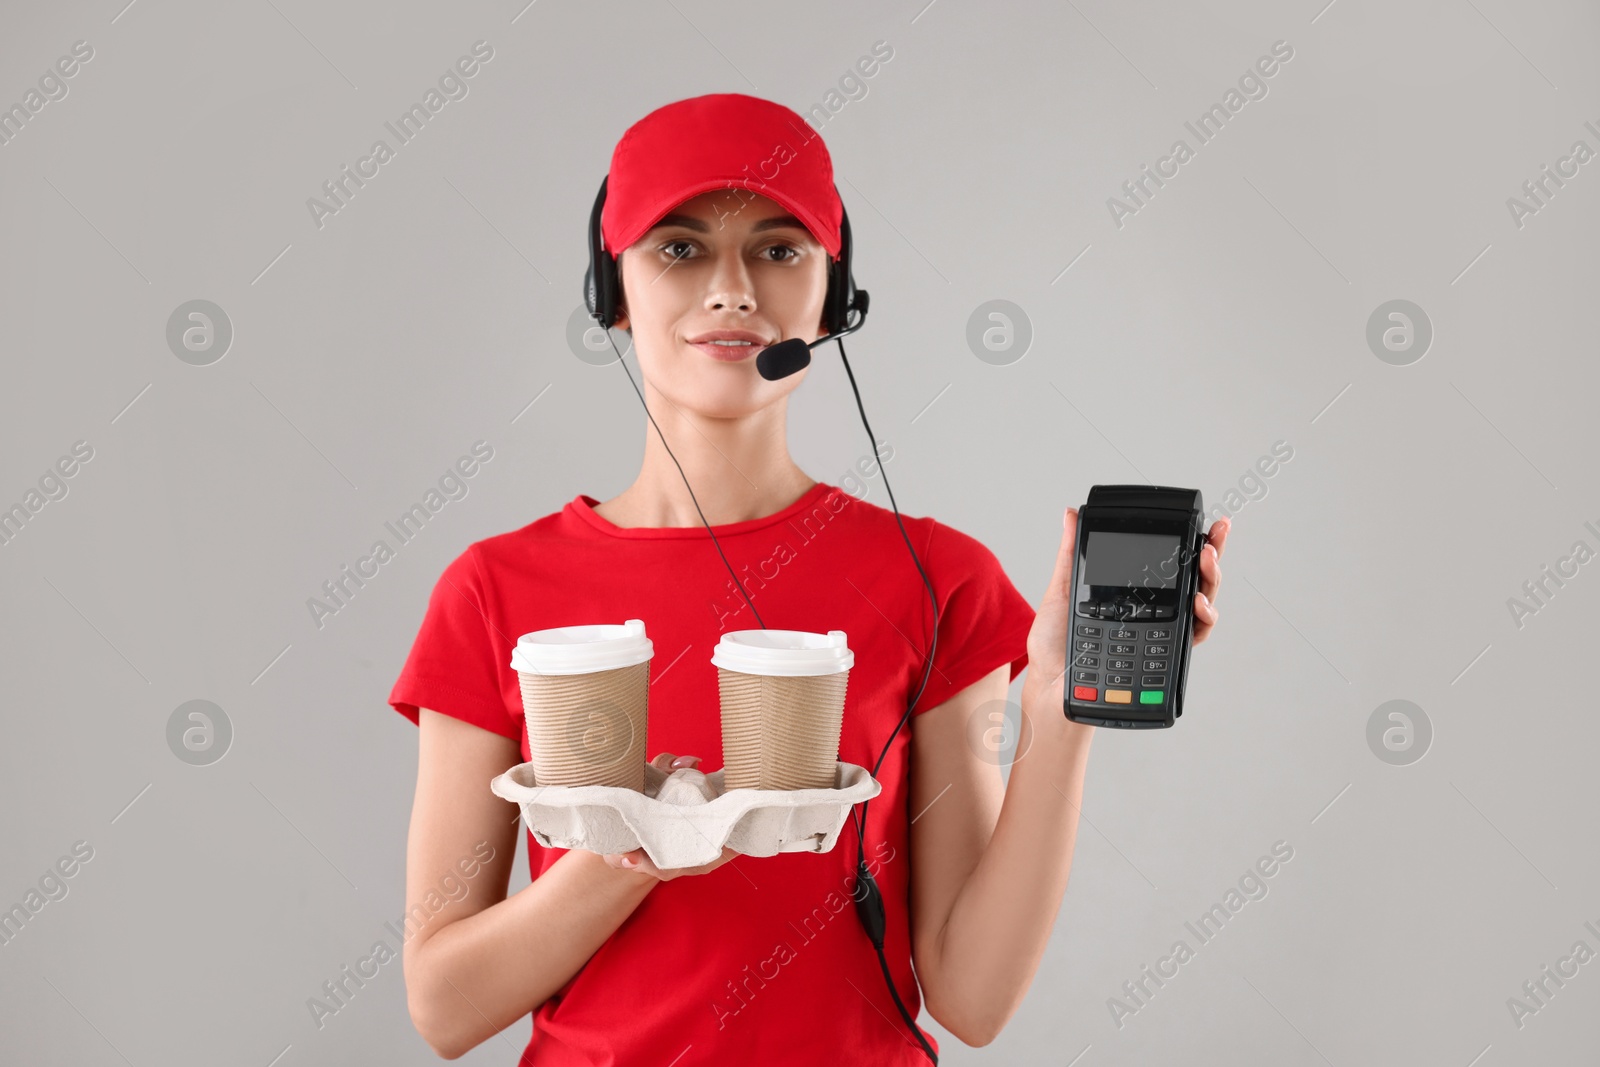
{"x": 585, "y": 697}
{"x": 782, "y": 696}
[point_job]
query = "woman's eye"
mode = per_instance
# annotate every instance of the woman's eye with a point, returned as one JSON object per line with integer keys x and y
{"x": 684, "y": 249}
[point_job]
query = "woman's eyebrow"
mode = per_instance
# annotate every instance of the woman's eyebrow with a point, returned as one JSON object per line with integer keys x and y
{"x": 778, "y": 222}
{"x": 689, "y": 222}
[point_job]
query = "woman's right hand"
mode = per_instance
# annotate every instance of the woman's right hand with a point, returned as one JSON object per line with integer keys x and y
{"x": 638, "y": 861}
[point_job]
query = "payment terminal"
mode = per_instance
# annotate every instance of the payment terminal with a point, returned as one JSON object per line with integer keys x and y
{"x": 1134, "y": 576}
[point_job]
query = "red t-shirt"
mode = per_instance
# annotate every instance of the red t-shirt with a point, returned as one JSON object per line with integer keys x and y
{"x": 764, "y": 959}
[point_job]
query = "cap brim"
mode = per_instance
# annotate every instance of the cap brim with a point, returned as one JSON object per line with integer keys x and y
{"x": 808, "y": 218}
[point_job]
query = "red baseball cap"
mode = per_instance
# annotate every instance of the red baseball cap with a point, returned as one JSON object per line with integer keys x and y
{"x": 719, "y": 141}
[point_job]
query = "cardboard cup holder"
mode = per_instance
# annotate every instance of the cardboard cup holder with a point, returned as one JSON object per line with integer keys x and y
{"x": 685, "y": 818}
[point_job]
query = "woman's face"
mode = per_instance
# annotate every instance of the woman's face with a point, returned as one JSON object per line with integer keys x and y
{"x": 728, "y": 264}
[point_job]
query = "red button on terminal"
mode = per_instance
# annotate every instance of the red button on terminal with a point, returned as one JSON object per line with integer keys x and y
{"x": 1085, "y": 692}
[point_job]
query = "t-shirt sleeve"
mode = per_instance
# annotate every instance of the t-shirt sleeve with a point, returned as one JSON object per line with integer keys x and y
{"x": 983, "y": 619}
{"x": 455, "y": 663}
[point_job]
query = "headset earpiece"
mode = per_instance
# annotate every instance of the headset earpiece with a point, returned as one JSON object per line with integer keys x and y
{"x": 601, "y": 287}
{"x": 842, "y": 297}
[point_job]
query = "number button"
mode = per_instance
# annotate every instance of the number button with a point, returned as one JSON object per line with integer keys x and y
{"x": 1122, "y": 633}
{"x": 1154, "y": 664}
{"x": 1150, "y": 650}
{"x": 1121, "y": 679}
{"x": 1089, "y": 631}
{"x": 1121, "y": 664}
{"x": 1153, "y": 635}
{"x": 1088, "y": 646}
{"x": 1086, "y": 661}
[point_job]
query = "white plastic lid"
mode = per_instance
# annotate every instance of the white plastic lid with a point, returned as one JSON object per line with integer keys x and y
{"x": 582, "y": 649}
{"x": 787, "y": 653}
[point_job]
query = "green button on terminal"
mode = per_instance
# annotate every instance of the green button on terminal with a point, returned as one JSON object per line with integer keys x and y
{"x": 1151, "y": 696}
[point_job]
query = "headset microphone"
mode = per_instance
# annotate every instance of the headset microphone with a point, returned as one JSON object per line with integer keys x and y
{"x": 794, "y": 355}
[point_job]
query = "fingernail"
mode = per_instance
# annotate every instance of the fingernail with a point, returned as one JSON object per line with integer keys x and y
{"x": 628, "y": 861}
{"x": 1205, "y": 599}
{"x": 686, "y": 761}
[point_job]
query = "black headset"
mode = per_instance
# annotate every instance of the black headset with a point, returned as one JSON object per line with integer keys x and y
{"x": 844, "y": 310}
{"x": 602, "y": 290}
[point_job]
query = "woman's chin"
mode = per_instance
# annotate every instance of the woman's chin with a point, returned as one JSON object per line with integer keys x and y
{"x": 724, "y": 401}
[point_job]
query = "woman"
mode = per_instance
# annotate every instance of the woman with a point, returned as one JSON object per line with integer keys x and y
{"x": 747, "y": 959}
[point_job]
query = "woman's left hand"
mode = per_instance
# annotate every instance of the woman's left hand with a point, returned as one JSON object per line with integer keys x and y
{"x": 1205, "y": 601}
{"x": 1045, "y": 684}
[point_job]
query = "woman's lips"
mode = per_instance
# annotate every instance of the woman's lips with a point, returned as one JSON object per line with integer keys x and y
{"x": 728, "y": 353}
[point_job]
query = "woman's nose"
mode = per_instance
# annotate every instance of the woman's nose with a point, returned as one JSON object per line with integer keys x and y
{"x": 731, "y": 287}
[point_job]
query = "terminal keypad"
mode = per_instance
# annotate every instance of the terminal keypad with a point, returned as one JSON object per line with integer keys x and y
{"x": 1139, "y": 657}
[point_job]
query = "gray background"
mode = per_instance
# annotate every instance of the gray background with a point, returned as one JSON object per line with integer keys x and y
{"x": 1229, "y": 313}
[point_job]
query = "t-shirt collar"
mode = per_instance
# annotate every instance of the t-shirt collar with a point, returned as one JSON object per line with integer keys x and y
{"x": 583, "y": 505}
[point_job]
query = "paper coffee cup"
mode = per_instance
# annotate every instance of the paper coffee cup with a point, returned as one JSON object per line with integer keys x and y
{"x": 782, "y": 694}
{"x": 585, "y": 697}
